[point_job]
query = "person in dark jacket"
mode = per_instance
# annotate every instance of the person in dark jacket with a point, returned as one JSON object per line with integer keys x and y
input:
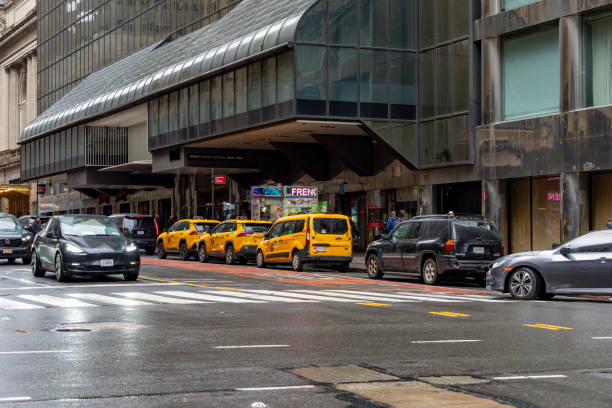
{"x": 36, "y": 226}
{"x": 392, "y": 222}
{"x": 609, "y": 225}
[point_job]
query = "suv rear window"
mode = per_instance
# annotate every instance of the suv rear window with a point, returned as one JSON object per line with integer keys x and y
{"x": 138, "y": 223}
{"x": 256, "y": 227}
{"x": 204, "y": 226}
{"x": 333, "y": 226}
{"x": 468, "y": 229}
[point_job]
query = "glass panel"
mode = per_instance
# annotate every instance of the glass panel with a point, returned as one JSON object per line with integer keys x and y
{"x": 598, "y": 60}
{"x": 426, "y": 84}
{"x": 255, "y": 86}
{"x": 343, "y": 22}
{"x": 228, "y": 94}
{"x": 241, "y": 90}
{"x": 443, "y": 80}
{"x": 153, "y": 119}
{"x": 173, "y": 112}
{"x": 312, "y": 26}
{"x": 163, "y": 115}
{"x": 461, "y": 133}
{"x": 373, "y": 31}
{"x": 531, "y": 74}
{"x": 184, "y": 108}
{"x": 403, "y": 85}
{"x": 373, "y": 84}
{"x": 403, "y": 23}
{"x": 343, "y": 81}
{"x": 461, "y": 76}
{"x": 545, "y": 214}
{"x": 311, "y": 80}
{"x": 403, "y": 137}
{"x": 216, "y": 100}
{"x": 442, "y": 20}
{"x": 285, "y": 77}
{"x": 269, "y": 81}
{"x": 512, "y": 4}
{"x": 444, "y": 144}
{"x": 194, "y": 105}
{"x": 427, "y": 143}
{"x": 461, "y": 18}
{"x": 204, "y": 102}
{"x": 426, "y": 23}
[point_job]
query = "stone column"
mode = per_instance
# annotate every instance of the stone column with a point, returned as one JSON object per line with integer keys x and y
{"x": 425, "y": 200}
{"x": 574, "y": 205}
{"x": 31, "y": 87}
{"x": 13, "y": 114}
{"x": 494, "y": 205}
{"x": 4, "y": 76}
{"x": 571, "y": 62}
{"x": 491, "y": 80}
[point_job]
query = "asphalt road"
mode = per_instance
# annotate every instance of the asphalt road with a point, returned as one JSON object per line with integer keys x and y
{"x": 211, "y": 335}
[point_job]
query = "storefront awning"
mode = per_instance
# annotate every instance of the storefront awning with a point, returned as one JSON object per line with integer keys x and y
{"x": 13, "y": 192}
{"x": 253, "y": 28}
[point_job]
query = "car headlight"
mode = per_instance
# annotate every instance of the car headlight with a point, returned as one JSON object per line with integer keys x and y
{"x": 497, "y": 264}
{"x": 26, "y": 238}
{"x": 73, "y": 249}
{"x": 131, "y": 247}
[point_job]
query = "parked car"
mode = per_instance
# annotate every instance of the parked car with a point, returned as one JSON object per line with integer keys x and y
{"x": 233, "y": 240}
{"x": 437, "y": 245}
{"x": 322, "y": 239}
{"x": 580, "y": 266}
{"x": 27, "y": 220}
{"x": 142, "y": 229}
{"x": 15, "y": 241}
{"x": 84, "y": 245}
{"x": 182, "y": 238}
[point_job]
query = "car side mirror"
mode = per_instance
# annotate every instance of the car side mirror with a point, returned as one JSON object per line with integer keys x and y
{"x": 565, "y": 250}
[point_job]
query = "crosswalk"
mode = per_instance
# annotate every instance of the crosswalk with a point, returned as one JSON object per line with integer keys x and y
{"x": 227, "y": 295}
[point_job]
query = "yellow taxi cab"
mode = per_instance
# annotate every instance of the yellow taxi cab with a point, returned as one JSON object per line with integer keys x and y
{"x": 182, "y": 238}
{"x": 232, "y": 240}
{"x": 322, "y": 239}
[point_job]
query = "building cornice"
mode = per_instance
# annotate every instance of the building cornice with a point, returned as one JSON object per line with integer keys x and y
{"x": 10, "y": 34}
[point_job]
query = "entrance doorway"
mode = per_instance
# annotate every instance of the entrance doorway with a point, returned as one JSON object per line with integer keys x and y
{"x": 459, "y": 197}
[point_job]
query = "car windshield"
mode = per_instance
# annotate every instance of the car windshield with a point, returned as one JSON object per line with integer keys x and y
{"x": 9, "y": 224}
{"x": 138, "y": 223}
{"x": 333, "y": 226}
{"x": 204, "y": 226}
{"x": 81, "y": 226}
{"x": 257, "y": 227}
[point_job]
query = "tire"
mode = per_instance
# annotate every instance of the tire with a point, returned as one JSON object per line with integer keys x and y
{"x": 230, "y": 256}
{"x": 373, "y": 267}
{"x": 132, "y": 276}
{"x": 161, "y": 253}
{"x": 26, "y": 260}
{"x": 10, "y": 261}
{"x": 60, "y": 275}
{"x": 296, "y": 262}
{"x": 429, "y": 272}
{"x": 243, "y": 261}
{"x": 259, "y": 260}
{"x": 202, "y": 254}
{"x": 344, "y": 267}
{"x": 183, "y": 251}
{"x": 149, "y": 251}
{"x": 523, "y": 284}
{"x": 37, "y": 270}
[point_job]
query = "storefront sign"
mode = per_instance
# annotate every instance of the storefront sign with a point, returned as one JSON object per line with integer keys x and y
{"x": 554, "y": 196}
{"x": 300, "y": 191}
{"x": 266, "y": 192}
{"x": 219, "y": 179}
{"x": 374, "y": 217}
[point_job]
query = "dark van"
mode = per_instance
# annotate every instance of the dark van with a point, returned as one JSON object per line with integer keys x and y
{"x": 434, "y": 246}
{"x": 142, "y": 229}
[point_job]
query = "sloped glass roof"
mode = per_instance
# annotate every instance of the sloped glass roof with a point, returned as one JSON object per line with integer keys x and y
{"x": 252, "y": 27}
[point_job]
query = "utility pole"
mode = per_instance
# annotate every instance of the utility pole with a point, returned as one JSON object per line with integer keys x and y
{"x": 212, "y": 189}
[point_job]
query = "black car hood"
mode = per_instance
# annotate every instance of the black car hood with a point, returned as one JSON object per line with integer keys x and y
{"x": 99, "y": 244}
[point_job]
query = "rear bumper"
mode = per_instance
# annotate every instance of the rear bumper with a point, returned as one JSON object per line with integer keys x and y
{"x": 15, "y": 252}
{"x": 326, "y": 259}
{"x": 247, "y": 251}
{"x": 451, "y": 263}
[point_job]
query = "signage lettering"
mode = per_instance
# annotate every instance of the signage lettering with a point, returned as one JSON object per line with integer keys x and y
{"x": 301, "y": 192}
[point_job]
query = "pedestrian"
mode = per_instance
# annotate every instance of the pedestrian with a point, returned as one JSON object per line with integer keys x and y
{"x": 171, "y": 220}
{"x": 36, "y": 226}
{"x": 451, "y": 213}
{"x": 609, "y": 225}
{"x": 392, "y": 222}
{"x": 403, "y": 215}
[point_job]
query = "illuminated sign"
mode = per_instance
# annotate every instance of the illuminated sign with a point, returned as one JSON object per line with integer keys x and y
{"x": 300, "y": 191}
{"x": 219, "y": 179}
{"x": 554, "y": 196}
{"x": 266, "y": 192}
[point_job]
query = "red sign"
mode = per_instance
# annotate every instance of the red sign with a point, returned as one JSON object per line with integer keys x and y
{"x": 42, "y": 188}
{"x": 219, "y": 179}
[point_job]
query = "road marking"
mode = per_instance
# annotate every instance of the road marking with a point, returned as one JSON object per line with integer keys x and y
{"x": 301, "y": 295}
{"x": 110, "y": 300}
{"x": 175, "y": 282}
{"x": 253, "y": 346}
{"x": 450, "y": 314}
{"x": 25, "y": 281}
{"x": 104, "y": 285}
{"x": 13, "y": 304}
{"x": 372, "y": 304}
{"x": 290, "y": 387}
{"x": 358, "y": 297}
{"x": 35, "y": 352}
{"x": 601, "y": 338}
{"x": 224, "y": 288}
{"x": 259, "y": 297}
{"x": 56, "y": 301}
{"x": 407, "y": 297}
{"x": 478, "y": 298}
{"x": 443, "y": 341}
{"x": 15, "y": 399}
{"x": 213, "y": 298}
{"x": 157, "y": 298}
{"x": 548, "y": 327}
{"x": 529, "y": 377}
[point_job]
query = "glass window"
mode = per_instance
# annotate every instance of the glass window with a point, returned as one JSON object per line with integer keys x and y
{"x": 194, "y": 105}
{"x": 153, "y": 118}
{"x": 461, "y": 18}
{"x": 173, "y": 112}
{"x": 401, "y": 232}
{"x": 332, "y": 226}
{"x": 403, "y": 85}
{"x": 228, "y": 94}
{"x": 427, "y": 143}
{"x": 311, "y": 80}
{"x": 402, "y": 137}
{"x": 241, "y": 90}
{"x": 163, "y": 114}
{"x": 373, "y": 84}
{"x": 343, "y": 81}
{"x": 444, "y": 142}
{"x": 184, "y": 108}
{"x": 531, "y": 74}
{"x": 255, "y": 86}
{"x": 269, "y": 81}
{"x": 442, "y": 21}
{"x": 416, "y": 229}
{"x": 373, "y": 30}
{"x": 204, "y": 102}
{"x": 443, "y": 80}
{"x": 275, "y": 231}
{"x": 427, "y": 84}
{"x": 403, "y": 23}
{"x": 461, "y": 76}
{"x": 598, "y": 60}
{"x": 461, "y": 134}
{"x": 512, "y": 4}
{"x": 598, "y": 241}
{"x": 256, "y": 227}
{"x": 312, "y": 25}
{"x": 343, "y": 22}
{"x": 216, "y": 100}
{"x": 426, "y": 23}
{"x": 285, "y": 77}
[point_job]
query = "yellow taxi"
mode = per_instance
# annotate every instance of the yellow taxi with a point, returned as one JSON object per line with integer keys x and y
{"x": 182, "y": 238}
{"x": 233, "y": 240}
{"x": 322, "y": 239}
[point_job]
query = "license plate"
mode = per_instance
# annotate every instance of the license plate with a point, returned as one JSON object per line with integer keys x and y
{"x": 7, "y": 251}
{"x": 321, "y": 249}
{"x": 140, "y": 232}
{"x": 106, "y": 262}
{"x": 478, "y": 250}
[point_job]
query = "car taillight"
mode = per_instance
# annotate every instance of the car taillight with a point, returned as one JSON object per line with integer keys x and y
{"x": 156, "y": 226}
{"x": 307, "y": 235}
{"x": 449, "y": 246}
{"x": 503, "y": 249}
{"x": 245, "y": 234}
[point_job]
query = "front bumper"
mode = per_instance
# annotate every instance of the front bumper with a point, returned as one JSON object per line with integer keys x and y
{"x": 496, "y": 279}
{"x": 92, "y": 263}
{"x": 15, "y": 252}
{"x": 247, "y": 251}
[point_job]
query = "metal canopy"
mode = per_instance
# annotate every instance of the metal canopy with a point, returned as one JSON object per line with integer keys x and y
{"x": 253, "y": 27}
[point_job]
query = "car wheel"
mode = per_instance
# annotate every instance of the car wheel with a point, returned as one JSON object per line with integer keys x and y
{"x": 374, "y": 270}
{"x": 296, "y": 262}
{"x": 243, "y": 261}
{"x": 37, "y": 270}
{"x": 132, "y": 276}
{"x": 149, "y": 251}
{"x": 202, "y": 254}
{"x": 523, "y": 284}
{"x": 344, "y": 267}
{"x": 259, "y": 260}
{"x": 230, "y": 257}
{"x": 10, "y": 261}
{"x": 430, "y": 272}
{"x": 183, "y": 252}
{"x": 26, "y": 260}
{"x": 60, "y": 274}
{"x": 161, "y": 253}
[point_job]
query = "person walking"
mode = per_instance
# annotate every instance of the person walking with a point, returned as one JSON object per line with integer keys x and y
{"x": 171, "y": 221}
{"x": 609, "y": 224}
{"x": 36, "y": 226}
{"x": 451, "y": 213}
{"x": 392, "y": 222}
{"x": 403, "y": 215}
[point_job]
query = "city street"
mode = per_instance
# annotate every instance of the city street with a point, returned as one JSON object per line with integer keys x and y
{"x": 204, "y": 335}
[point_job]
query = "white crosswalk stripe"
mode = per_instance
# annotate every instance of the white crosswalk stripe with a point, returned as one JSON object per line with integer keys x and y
{"x": 158, "y": 298}
{"x": 213, "y": 298}
{"x": 110, "y": 300}
{"x": 358, "y": 296}
{"x": 479, "y": 298}
{"x": 56, "y": 301}
{"x": 302, "y": 295}
{"x": 242, "y": 294}
{"x": 406, "y": 296}
{"x": 13, "y": 304}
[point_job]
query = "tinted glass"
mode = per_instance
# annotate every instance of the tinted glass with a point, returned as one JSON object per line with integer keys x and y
{"x": 276, "y": 230}
{"x": 138, "y": 223}
{"x": 230, "y": 227}
{"x": 9, "y": 224}
{"x": 311, "y": 80}
{"x": 343, "y": 22}
{"x": 415, "y": 230}
{"x": 403, "y": 23}
{"x": 343, "y": 63}
{"x": 312, "y": 24}
{"x": 299, "y": 226}
{"x": 437, "y": 229}
{"x": 402, "y": 230}
{"x": 333, "y": 226}
{"x": 204, "y": 226}
{"x": 471, "y": 229}
{"x": 80, "y": 227}
{"x": 594, "y": 242}
{"x": 256, "y": 227}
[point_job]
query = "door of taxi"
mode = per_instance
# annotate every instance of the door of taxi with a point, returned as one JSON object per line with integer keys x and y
{"x": 175, "y": 233}
{"x": 275, "y": 241}
{"x": 212, "y": 241}
{"x": 292, "y": 231}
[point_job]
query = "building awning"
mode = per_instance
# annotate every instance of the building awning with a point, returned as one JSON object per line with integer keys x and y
{"x": 13, "y": 192}
{"x": 253, "y": 28}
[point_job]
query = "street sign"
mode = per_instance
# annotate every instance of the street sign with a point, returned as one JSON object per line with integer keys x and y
{"x": 220, "y": 180}
{"x": 42, "y": 188}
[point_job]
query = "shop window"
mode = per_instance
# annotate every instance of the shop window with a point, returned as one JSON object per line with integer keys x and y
{"x": 311, "y": 80}
{"x": 343, "y": 22}
{"x": 512, "y": 4}
{"x": 374, "y": 24}
{"x": 373, "y": 84}
{"x": 545, "y": 213}
{"x": 403, "y": 23}
{"x": 598, "y": 60}
{"x": 531, "y": 74}
{"x": 343, "y": 81}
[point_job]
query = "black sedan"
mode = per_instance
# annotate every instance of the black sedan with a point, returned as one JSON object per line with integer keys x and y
{"x": 580, "y": 266}
{"x": 14, "y": 240}
{"x": 84, "y": 245}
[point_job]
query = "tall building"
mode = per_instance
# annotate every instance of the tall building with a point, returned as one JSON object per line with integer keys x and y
{"x": 487, "y": 106}
{"x": 17, "y": 97}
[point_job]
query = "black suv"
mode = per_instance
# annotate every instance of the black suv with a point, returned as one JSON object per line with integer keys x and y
{"x": 437, "y": 245}
{"x": 141, "y": 229}
{"x": 15, "y": 242}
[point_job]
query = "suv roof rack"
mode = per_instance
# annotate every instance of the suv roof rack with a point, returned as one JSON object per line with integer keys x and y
{"x": 446, "y": 216}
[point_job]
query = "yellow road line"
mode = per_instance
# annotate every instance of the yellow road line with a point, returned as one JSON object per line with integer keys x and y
{"x": 372, "y": 304}
{"x": 169, "y": 281}
{"x": 450, "y": 314}
{"x": 224, "y": 288}
{"x": 548, "y": 327}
